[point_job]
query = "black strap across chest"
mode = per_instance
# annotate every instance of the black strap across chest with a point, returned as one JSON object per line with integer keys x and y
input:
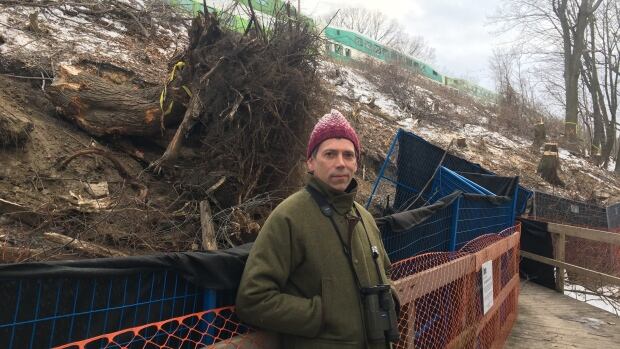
{"x": 328, "y": 211}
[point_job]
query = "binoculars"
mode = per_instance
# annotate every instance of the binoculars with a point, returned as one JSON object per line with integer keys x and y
{"x": 380, "y": 314}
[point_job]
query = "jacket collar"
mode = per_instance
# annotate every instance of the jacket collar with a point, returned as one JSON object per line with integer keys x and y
{"x": 342, "y": 201}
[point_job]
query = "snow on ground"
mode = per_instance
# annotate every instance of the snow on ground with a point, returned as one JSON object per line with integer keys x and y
{"x": 608, "y": 303}
{"x": 567, "y": 157}
{"x": 611, "y": 166}
{"x": 67, "y": 35}
{"x": 357, "y": 87}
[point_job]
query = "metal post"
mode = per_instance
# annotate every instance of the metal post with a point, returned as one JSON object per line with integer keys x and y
{"x": 455, "y": 223}
{"x": 514, "y": 205}
{"x": 387, "y": 159}
{"x": 560, "y": 245}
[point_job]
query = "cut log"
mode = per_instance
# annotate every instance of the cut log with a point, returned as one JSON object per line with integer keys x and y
{"x": 89, "y": 248}
{"x": 101, "y": 107}
{"x": 15, "y": 127}
{"x": 209, "y": 242}
{"x": 549, "y": 167}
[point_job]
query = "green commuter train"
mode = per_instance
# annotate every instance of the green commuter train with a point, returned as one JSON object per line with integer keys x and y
{"x": 342, "y": 44}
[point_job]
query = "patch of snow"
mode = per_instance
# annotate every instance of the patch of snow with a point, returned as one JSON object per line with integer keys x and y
{"x": 476, "y": 131}
{"x": 407, "y": 123}
{"x": 572, "y": 159}
{"x": 355, "y": 86}
{"x": 607, "y": 304}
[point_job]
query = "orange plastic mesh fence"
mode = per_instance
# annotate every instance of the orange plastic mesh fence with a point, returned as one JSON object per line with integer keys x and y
{"x": 196, "y": 330}
{"x": 441, "y": 295}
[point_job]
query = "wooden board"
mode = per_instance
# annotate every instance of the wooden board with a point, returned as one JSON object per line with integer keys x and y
{"x": 551, "y": 320}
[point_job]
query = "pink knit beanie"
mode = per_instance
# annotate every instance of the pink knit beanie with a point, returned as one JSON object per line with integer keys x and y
{"x": 332, "y": 125}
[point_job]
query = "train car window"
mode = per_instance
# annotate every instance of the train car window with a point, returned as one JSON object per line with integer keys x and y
{"x": 434, "y": 72}
{"x": 337, "y": 32}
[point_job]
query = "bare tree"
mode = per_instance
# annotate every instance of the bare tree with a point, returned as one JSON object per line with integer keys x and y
{"x": 379, "y": 27}
{"x": 573, "y": 17}
{"x": 600, "y": 74}
{"x": 415, "y": 46}
{"x": 517, "y": 103}
{"x": 555, "y": 31}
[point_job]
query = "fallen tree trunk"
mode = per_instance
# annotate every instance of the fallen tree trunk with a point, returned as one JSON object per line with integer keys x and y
{"x": 14, "y": 127}
{"x": 101, "y": 107}
{"x": 20, "y": 213}
{"x": 83, "y": 246}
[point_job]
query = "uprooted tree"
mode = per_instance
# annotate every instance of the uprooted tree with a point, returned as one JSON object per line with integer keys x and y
{"x": 243, "y": 101}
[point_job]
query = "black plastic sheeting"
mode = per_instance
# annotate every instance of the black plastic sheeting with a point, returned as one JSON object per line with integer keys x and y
{"x": 216, "y": 270}
{"x": 503, "y": 186}
{"x": 535, "y": 238}
{"x": 403, "y": 221}
{"x": 416, "y": 163}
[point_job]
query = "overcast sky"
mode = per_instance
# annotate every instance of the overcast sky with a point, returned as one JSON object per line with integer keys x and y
{"x": 455, "y": 28}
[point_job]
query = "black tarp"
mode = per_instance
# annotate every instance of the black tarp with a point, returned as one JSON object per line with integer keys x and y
{"x": 217, "y": 270}
{"x": 416, "y": 162}
{"x": 503, "y": 186}
{"x": 535, "y": 238}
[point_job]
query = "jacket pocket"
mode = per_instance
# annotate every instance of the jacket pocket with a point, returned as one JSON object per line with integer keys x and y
{"x": 328, "y": 293}
{"x": 338, "y": 313}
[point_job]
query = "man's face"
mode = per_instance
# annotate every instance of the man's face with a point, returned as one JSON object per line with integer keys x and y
{"x": 335, "y": 163}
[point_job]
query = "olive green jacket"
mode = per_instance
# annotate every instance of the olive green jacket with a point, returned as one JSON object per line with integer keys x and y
{"x": 297, "y": 280}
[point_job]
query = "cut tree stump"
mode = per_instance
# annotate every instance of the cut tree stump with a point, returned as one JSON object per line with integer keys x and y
{"x": 549, "y": 165}
{"x": 101, "y": 107}
{"x": 15, "y": 127}
{"x": 461, "y": 142}
{"x": 552, "y": 147}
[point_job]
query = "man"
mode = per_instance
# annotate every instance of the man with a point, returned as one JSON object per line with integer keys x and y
{"x": 310, "y": 273}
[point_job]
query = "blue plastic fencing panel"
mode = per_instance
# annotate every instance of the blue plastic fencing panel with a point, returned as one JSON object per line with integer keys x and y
{"x": 41, "y": 313}
{"x": 432, "y": 235}
{"x": 447, "y": 181}
{"x": 478, "y": 216}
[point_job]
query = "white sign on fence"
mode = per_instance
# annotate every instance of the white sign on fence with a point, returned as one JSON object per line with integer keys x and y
{"x": 487, "y": 286}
